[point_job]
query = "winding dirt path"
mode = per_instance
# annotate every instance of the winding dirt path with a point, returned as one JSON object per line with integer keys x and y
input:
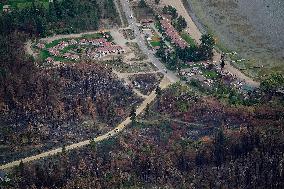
{"x": 119, "y": 128}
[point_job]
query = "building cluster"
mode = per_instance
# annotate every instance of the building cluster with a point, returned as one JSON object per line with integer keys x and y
{"x": 92, "y": 48}
{"x": 171, "y": 32}
{"x": 196, "y": 71}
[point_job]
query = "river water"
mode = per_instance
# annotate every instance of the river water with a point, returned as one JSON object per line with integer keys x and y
{"x": 254, "y": 28}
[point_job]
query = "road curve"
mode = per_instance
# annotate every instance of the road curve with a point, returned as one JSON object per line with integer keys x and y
{"x": 164, "y": 83}
{"x": 169, "y": 78}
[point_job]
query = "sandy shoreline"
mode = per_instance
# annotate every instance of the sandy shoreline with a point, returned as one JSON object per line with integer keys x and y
{"x": 251, "y": 28}
{"x": 196, "y": 34}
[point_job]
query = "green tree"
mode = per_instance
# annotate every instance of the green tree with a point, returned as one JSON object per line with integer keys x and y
{"x": 157, "y": 2}
{"x": 222, "y": 64}
{"x": 171, "y": 11}
{"x": 133, "y": 115}
{"x": 41, "y": 26}
{"x": 21, "y": 167}
{"x": 142, "y": 4}
{"x": 272, "y": 83}
{"x": 147, "y": 110}
{"x": 110, "y": 9}
{"x": 93, "y": 144}
{"x": 206, "y": 46}
{"x": 63, "y": 149}
{"x": 158, "y": 91}
{"x": 219, "y": 147}
{"x": 180, "y": 23}
{"x": 110, "y": 113}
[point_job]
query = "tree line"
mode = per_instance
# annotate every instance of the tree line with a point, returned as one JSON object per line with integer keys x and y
{"x": 64, "y": 16}
{"x": 173, "y": 58}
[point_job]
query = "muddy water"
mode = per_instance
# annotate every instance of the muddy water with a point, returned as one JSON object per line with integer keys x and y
{"x": 254, "y": 28}
{"x": 267, "y": 17}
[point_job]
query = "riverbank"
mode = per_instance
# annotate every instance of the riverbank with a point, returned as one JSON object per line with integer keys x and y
{"x": 195, "y": 33}
{"x": 238, "y": 26}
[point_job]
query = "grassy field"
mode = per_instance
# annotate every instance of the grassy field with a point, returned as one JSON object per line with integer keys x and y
{"x": 44, "y": 54}
{"x": 68, "y": 48}
{"x": 55, "y": 42}
{"x": 210, "y": 74}
{"x": 92, "y": 36}
{"x": 85, "y": 36}
{"x": 188, "y": 39}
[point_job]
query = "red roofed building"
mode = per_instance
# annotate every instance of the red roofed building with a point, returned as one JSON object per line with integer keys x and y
{"x": 97, "y": 42}
{"x": 173, "y": 34}
{"x": 146, "y": 21}
{"x": 110, "y": 49}
{"x": 107, "y": 44}
{"x": 49, "y": 60}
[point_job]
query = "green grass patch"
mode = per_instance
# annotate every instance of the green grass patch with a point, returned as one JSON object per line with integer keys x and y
{"x": 210, "y": 74}
{"x": 68, "y": 48}
{"x": 156, "y": 40}
{"x": 44, "y": 54}
{"x": 155, "y": 43}
{"x": 188, "y": 39}
{"x": 54, "y": 43}
{"x": 184, "y": 66}
{"x": 93, "y": 36}
{"x": 156, "y": 36}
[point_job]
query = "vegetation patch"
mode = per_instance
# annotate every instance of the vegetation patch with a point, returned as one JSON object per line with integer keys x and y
{"x": 155, "y": 43}
{"x": 143, "y": 12}
{"x": 188, "y": 39}
{"x": 210, "y": 74}
{"x": 44, "y": 54}
{"x": 92, "y": 36}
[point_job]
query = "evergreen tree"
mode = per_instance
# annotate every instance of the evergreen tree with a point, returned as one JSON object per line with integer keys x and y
{"x": 206, "y": 47}
{"x": 158, "y": 91}
{"x": 180, "y": 23}
{"x": 219, "y": 147}
{"x": 222, "y": 64}
{"x": 147, "y": 109}
{"x": 142, "y": 4}
{"x": 133, "y": 115}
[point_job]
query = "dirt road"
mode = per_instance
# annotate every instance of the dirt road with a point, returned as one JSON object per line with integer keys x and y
{"x": 163, "y": 84}
{"x": 196, "y": 34}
